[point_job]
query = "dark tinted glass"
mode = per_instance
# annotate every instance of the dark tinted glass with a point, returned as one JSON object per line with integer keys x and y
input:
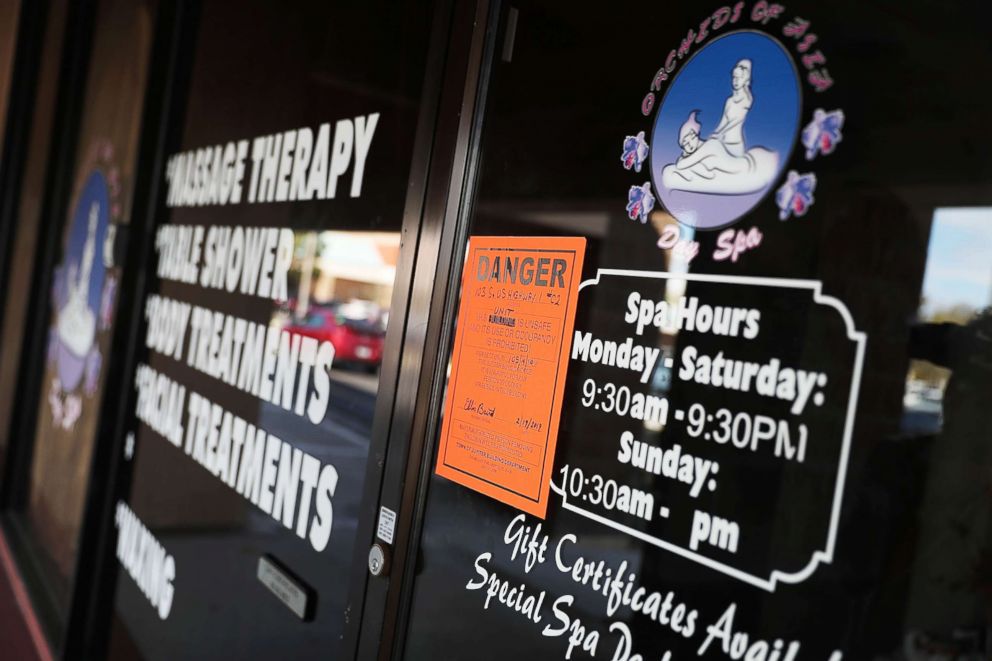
{"x": 206, "y": 523}
{"x": 83, "y": 298}
{"x": 17, "y": 301}
{"x": 774, "y": 441}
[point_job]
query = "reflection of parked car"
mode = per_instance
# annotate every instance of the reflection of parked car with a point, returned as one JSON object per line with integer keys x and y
{"x": 355, "y": 329}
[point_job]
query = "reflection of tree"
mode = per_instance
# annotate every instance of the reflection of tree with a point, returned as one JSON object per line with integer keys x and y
{"x": 960, "y": 314}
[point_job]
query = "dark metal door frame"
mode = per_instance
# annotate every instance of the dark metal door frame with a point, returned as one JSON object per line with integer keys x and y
{"x": 447, "y": 196}
{"x": 73, "y": 69}
{"x": 22, "y": 96}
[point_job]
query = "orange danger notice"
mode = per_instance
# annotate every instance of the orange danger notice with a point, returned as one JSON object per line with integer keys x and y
{"x": 508, "y": 367}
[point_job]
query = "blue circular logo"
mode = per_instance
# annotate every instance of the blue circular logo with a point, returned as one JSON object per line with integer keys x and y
{"x": 88, "y": 230}
{"x": 78, "y": 282}
{"x": 725, "y": 129}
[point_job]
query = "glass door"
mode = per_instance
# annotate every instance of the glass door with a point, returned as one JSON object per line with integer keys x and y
{"x": 773, "y": 440}
{"x": 274, "y": 312}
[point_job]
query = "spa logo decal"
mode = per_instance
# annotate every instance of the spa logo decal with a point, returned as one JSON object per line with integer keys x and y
{"x": 84, "y": 289}
{"x": 726, "y": 107}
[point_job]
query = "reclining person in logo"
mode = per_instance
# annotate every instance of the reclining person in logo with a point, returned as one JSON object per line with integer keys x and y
{"x": 721, "y": 164}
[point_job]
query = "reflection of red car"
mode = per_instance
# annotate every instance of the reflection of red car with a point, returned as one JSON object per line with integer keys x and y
{"x": 357, "y": 340}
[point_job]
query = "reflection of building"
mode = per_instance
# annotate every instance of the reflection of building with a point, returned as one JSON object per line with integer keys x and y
{"x": 355, "y": 265}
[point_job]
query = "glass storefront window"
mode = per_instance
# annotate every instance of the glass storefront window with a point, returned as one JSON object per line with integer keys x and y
{"x": 759, "y": 242}
{"x": 17, "y": 301}
{"x": 257, "y": 385}
{"x": 84, "y": 292}
{"x": 773, "y": 441}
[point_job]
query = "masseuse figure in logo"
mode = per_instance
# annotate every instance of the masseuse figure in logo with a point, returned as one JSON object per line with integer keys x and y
{"x": 73, "y": 351}
{"x": 725, "y": 128}
{"x": 722, "y": 164}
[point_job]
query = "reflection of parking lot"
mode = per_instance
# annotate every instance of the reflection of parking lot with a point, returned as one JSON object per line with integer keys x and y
{"x": 923, "y": 408}
{"x": 367, "y": 383}
{"x": 346, "y": 428}
{"x": 226, "y": 558}
{"x": 342, "y": 439}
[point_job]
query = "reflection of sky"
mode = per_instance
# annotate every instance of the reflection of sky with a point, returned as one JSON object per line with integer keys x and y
{"x": 704, "y": 84}
{"x": 959, "y": 260}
